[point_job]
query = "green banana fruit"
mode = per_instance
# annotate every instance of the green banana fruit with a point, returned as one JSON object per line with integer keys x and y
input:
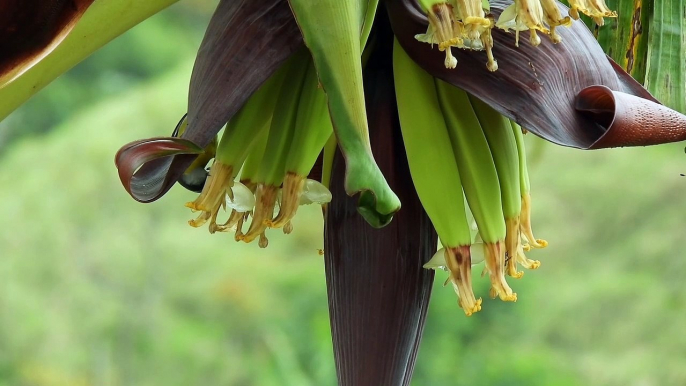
{"x": 479, "y": 181}
{"x": 525, "y": 186}
{"x": 434, "y": 170}
{"x": 312, "y": 130}
{"x": 503, "y": 145}
{"x": 272, "y": 168}
{"x": 340, "y": 73}
{"x": 239, "y": 135}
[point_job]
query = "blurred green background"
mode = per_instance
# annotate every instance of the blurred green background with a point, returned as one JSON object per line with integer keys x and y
{"x": 96, "y": 289}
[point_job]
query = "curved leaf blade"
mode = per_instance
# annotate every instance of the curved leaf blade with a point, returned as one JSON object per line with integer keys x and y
{"x": 96, "y": 28}
{"x": 666, "y": 71}
{"x": 31, "y": 29}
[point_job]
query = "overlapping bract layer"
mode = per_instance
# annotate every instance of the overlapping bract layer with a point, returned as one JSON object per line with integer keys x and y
{"x": 466, "y": 24}
{"x": 538, "y": 87}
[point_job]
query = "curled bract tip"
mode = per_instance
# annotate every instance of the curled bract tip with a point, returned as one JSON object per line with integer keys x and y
{"x": 539, "y": 87}
{"x": 368, "y": 209}
{"x": 148, "y": 168}
{"x": 629, "y": 120}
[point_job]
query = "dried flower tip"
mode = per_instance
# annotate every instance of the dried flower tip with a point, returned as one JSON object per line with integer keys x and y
{"x": 219, "y": 186}
{"x": 553, "y": 18}
{"x": 298, "y": 191}
{"x": 525, "y": 261}
{"x": 264, "y": 242}
{"x": 495, "y": 265}
{"x": 290, "y": 199}
{"x": 238, "y": 236}
{"x": 441, "y": 31}
{"x": 512, "y": 244}
{"x": 525, "y": 224}
{"x": 473, "y": 18}
{"x": 459, "y": 265}
{"x": 596, "y": 9}
{"x": 264, "y": 211}
{"x": 521, "y": 16}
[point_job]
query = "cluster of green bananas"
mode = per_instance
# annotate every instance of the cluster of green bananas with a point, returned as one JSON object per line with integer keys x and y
{"x": 467, "y": 24}
{"x": 456, "y": 144}
{"x": 273, "y": 143}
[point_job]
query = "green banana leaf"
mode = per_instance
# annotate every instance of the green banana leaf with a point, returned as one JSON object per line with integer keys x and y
{"x": 648, "y": 40}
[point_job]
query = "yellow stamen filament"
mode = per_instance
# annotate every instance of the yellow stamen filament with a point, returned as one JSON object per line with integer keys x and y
{"x": 290, "y": 200}
{"x": 525, "y": 261}
{"x": 264, "y": 242}
{"x": 495, "y": 264}
{"x": 487, "y": 41}
{"x": 442, "y": 22}
{"x": 264, "y": 210}
{"x": 228, "y": 225}
{"x": 459, "y": 263}
{"x": 512, "y": 243}
{"x": 288, "y": 228}
{"x": 525, "y": 224}
{"x": 472, "y": 15}
{"x": 596, "y": 9}
{"x": 554, "y": 18}
{"x": 238, "y": 236}
{"x": 213, "y": 195}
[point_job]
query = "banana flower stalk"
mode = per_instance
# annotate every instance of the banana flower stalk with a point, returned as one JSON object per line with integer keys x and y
{"x": 563, "y": 89}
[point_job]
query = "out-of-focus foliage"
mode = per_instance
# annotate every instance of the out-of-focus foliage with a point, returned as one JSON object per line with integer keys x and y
{"x": 96, "y": 289}
{"x": 151, "y": 48}
{"x": 648, "y": 39}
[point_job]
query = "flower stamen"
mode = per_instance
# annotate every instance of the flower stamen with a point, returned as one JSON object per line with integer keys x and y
{"x": 213, "y": 195}
{"x": 525, "y": 224}
{"x": 554, "y": 18}
{"x": 264, "y": 211}
{"x": 459, "y": 265}
{"x": 521, "y": 16}
{"x": 512, "y": 243}
{"x": 495, "y": 264}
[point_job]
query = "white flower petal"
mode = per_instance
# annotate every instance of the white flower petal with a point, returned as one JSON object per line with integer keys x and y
{"x": 243, "y": 198}
{"x": 507, "y": 18}
{"x": 437, "y": 261}
{"x": 477, "y": 251}
{"x": 314, "y": 192}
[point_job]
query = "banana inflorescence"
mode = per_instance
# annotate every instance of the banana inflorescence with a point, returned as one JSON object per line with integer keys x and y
{"x": 458, "y": 145}
{"x": 467, "y": 162}
{"x": 272, "y": 142}
{"x": 467, "y": 24}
